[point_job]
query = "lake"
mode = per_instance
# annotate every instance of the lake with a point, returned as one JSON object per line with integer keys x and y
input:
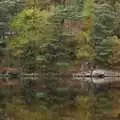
{"x": 84, "y": 99}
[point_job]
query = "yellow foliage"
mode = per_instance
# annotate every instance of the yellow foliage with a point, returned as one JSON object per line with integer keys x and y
{"x": 84, "y": 48}
{"x": 20, "y": 112}
{"x": 24, "y": 112}
{"x": 115, "y": 57}
{"x": 83, "y": 107}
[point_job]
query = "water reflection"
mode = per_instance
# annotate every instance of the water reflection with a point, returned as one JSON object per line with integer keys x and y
{"x": 105, "y": 94}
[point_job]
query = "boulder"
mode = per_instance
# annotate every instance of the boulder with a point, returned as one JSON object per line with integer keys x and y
{"x": 98, "y": 73}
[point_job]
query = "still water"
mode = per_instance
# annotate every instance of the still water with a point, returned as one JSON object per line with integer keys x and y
{"x": 106, "y": 94}
{"x": 97, "y": 99}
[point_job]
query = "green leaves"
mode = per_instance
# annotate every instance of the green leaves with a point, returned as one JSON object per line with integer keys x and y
{"x": 115, "y": 53}
{"x": 41, "y": 27}
{"x": 88, "y": 8}
{"x": 103, "y": 27}
{"x": 69, "y": 12}
{"x": 39, "y": 39}
{"x": 32, "y": 25}
{"x": 84, "y": 49}
{"x": 8, "y": 8}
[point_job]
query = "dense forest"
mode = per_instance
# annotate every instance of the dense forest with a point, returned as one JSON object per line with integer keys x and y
{"x": 49, "y": 37}
{"x": 38, "y": 33}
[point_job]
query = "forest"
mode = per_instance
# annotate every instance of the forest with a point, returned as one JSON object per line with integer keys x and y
{"x": 52, "y": 39}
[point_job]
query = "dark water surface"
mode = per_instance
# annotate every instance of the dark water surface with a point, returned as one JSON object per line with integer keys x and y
{"x": 106, "y": 92}
{"x": 98, "y": 99}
